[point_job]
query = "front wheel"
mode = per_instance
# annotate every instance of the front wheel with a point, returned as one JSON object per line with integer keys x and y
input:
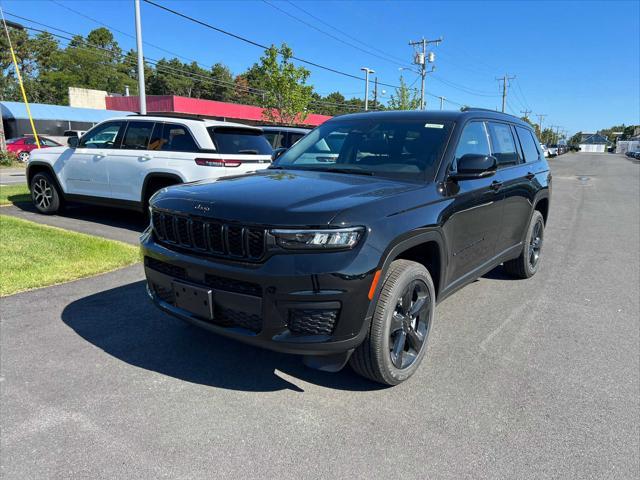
{"x": 23, "y": 157}
{"x": 45, "y": 194}
{"x": 397, "y": 338}
{"x": 526, "y": 265}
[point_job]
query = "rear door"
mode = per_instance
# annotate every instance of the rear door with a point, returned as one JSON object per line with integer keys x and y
{"x": 84, "y": 170}
{"x": 475, "y": 216}
{"x": 513, "y": 174}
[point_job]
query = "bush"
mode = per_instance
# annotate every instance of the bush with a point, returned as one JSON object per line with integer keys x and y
{"x": 8, "y": 158}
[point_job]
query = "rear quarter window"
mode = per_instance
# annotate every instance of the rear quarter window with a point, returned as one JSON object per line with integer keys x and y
{"x": 239, "y": 141}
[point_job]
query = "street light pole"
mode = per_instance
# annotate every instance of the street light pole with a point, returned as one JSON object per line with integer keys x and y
{"x": 366, "y": 71}
{"x": 141, "y": 91}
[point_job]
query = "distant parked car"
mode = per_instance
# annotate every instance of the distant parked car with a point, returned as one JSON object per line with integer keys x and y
{"x": 633, "y": 154}
{"x": 283, "y": 137}
{"x": 553, "y": 151}
{"x": 22, "y": 146}
{"x": 74, "y": 133}
{"x": 545, "y": 150}
{"x": 124, "y": 161}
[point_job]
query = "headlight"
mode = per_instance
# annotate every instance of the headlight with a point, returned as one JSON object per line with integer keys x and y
{"x": 318, "y": 239}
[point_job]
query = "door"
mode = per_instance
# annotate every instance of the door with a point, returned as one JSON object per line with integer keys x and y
{"x": 515, "y": 176}
{"x": 475, "y": 215}
{"x": 85, "y": 169}
{"x": 128, "y": 165}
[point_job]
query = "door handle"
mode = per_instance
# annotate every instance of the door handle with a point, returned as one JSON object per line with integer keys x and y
{"x": 145, "y": 158}
{"x": 99, "y": 156}
{"x": 495, "y": 185}
{"x": 530, "y": 176}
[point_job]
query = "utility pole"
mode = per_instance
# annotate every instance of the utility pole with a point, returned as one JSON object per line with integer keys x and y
{"x": 526, "y": 113}
{"x": 421, "y": 59}
{"x": 375, "y": 93}
{"x": 141, "y": 91}
{"x": 442, "y": 99}
{"x": 366, "y": 71}
{"x": 505, "y": 86}
{"x": 540, "y": 118}
{"x": 554, "y": 136}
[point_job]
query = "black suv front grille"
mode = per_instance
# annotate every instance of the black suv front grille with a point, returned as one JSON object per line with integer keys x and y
{"x": 209, "y": 237}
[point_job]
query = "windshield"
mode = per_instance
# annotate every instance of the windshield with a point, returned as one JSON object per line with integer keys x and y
{"x": 239, "y": 141}
{"x": 408, "y": 149}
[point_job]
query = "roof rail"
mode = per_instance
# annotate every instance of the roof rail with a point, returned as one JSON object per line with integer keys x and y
{"x": 169, "y": 114}
{"x": 473, "y": 109}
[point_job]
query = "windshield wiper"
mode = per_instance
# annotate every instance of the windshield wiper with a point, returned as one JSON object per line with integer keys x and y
{"x": 346, "y": 170}
{"x": 248, "y": 152}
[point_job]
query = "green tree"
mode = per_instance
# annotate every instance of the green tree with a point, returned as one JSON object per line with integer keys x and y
{"x": 287, "y": 96}
{"x": 404, "y": 98}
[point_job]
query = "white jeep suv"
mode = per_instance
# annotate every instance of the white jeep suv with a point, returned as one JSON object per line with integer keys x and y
{"x": 123, "y": 161}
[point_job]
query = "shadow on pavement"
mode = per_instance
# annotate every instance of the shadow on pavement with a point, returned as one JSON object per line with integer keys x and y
{"x": 123, "y": 322}
{"x": 114, "y": 217}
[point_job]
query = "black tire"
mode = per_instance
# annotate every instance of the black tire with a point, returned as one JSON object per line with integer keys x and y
{"x": 45, "y": 194}
{"x": 526, "y": 265}
{"x": 374, "y": 358}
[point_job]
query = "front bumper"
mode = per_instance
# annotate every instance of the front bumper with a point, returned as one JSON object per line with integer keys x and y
{"x": 291, "y": 303}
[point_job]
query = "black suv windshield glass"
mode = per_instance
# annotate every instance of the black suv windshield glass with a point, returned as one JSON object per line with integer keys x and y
{"x": 239, "y": 141}
{"x": 406, "y": 149}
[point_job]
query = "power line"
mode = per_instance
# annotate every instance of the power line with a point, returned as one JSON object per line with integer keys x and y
{"x": 342, "y": 32}
{"x": 251, "y": 42}
{"x": 120, "y": 31}
{"x": 330, "y": 35}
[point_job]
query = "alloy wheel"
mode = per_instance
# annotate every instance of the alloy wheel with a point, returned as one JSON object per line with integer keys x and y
{"x": 42, "y": 193}
{"x": 409, "y": 324}
{"x": 23, "y": 156}
{"x": 535, "y": 244}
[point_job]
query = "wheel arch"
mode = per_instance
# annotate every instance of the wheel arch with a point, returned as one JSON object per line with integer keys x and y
{"x": 424, "y": 247}
{"x": 160, "y": 177}
{"x": 36, "y": 167}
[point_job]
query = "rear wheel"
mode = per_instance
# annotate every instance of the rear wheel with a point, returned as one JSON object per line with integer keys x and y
{"x": 397, "y": 338}
{"x": 45, "y": 194}
{"x": 526, "y": 265}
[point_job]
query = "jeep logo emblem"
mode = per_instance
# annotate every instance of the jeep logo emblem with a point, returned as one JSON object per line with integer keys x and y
{"x": 201, "y": 207}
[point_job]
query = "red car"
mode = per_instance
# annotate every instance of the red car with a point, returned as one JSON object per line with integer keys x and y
{"x": 22, "y": 146}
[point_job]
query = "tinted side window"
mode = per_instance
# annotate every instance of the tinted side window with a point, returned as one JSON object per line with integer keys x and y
{"x": 30, "y": 141}
{"x": 294, "y": 137}
{"x": 137, "y": 135}
{"x": 529, "y": 145}
{"x": 276, "y": 139}
{"x": 474, "y": 140}
{"x": 503, "y": 144}
{"x": 103, "y": 136}
{"x": 240, "y": 141}
{"x": 176, "y": 138}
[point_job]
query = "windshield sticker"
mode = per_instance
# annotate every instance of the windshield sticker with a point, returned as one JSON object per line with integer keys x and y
{"x": 433, "y": 125}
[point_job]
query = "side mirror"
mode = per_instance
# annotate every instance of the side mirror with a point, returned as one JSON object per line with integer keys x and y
{"x": 73, "y": 142}
{"x": 473, "y": 165}
{"x": 277, "y": 153}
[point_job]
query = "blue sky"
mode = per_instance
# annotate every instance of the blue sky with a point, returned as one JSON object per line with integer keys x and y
{"x": 577, "y": 62}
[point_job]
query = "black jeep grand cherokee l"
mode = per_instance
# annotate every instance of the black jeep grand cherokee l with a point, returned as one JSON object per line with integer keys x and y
{"x": 340, "y": 250}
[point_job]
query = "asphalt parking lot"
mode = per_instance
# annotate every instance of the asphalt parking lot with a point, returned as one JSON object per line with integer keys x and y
{"x": 523, "y": 379}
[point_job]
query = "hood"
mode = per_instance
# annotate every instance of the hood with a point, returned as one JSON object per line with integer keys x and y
{"x": 49, "y": 150}
{"x": 278, "y": 197}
